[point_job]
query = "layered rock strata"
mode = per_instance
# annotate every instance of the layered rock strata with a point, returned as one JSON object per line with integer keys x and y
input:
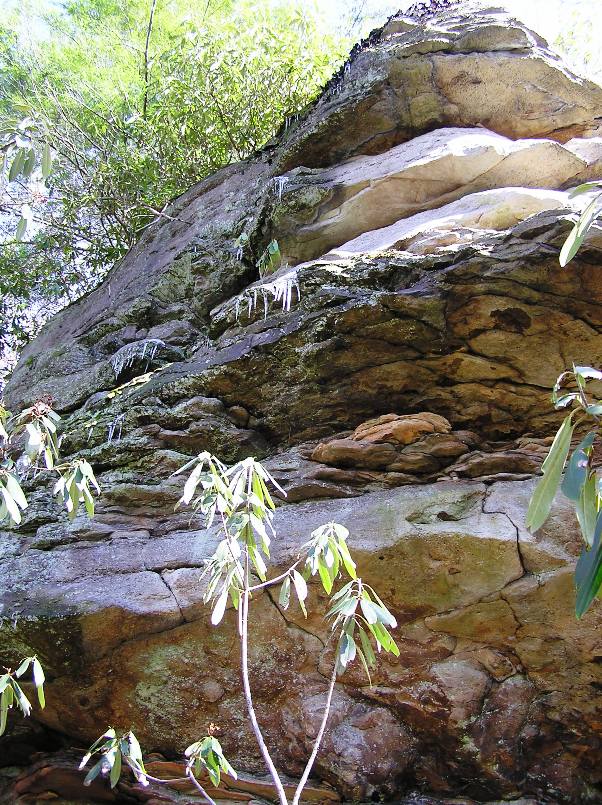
{"x": 395, "y": 377}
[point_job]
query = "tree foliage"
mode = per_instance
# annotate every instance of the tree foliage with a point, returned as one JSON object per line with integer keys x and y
{"x": 132, "y": 102}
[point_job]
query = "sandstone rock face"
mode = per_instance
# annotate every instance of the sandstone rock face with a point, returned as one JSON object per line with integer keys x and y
{"x": 395, "y": 377}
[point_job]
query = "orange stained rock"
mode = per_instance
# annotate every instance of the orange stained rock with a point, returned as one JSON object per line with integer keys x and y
{"x": 400, "y": 428}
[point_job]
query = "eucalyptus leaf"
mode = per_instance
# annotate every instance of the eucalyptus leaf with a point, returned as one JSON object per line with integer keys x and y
{"x": 541, "y": 501}
{"x": 46, "y": 161}
{"x": 285, "y": 593}
{"x": 588, "y": 573}
{"x": 577, "y": 468}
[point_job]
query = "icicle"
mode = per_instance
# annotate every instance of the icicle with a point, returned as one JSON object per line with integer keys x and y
{"x": 280, "y": 182}
{"x": 128, "y": 355}
{"x": 281, "y": 291}
{"x": 115, "y": 429}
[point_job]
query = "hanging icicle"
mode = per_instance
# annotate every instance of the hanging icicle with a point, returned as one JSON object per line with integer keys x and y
{"x": 281, "y": 290}
{"x": 138, "y": 351}
{"x": 280, "y": 182}
{"x": 115, "y": 429}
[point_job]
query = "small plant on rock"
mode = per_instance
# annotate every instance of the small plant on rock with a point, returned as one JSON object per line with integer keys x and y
{"x": 29, "y": 445}
{"x": 582, "y": 482}
{"x": 237, "y": 500}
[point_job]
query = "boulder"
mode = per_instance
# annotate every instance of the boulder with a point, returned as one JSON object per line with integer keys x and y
{"x": 395, "y": 378}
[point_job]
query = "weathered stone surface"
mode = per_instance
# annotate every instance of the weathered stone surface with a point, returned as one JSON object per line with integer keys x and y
{"x": 396, "y": 381}
{"x": 456, "y": 224}
{"x": 322, "y": 209}
{"x": 446, "y": 560}
{"x": 478, "y": 68}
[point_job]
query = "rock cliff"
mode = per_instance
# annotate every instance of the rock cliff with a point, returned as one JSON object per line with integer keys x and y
{"x": 394, "y": 373}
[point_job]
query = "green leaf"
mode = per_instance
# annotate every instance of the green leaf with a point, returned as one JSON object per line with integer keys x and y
{"x": 325, "y": 576}
{"x": 23, "y": 667}
{"x": 135, "y": 749}
{"x": 564, "y": 400}
{"x": 367, "y": 648}
{"x": 6, "y": 701}
{"x": 220, "y": 607}
{"x": 382, "y": 636}
{"x": 346, "y": 557}
{"x": 94, "y": 772}
{"x": 384, "y": 616}
{"x": 38, "y": 681}
{"x": 14, "y": 488}
{"x": 347, "y": 650}
{"x": 588, "y": 372}
{"x": 577, "y": 468}
{"x": 362, "y": 657}
{"x": 21, "y": 228}
{"x": 343, "y": 591}
{"x": 11, "y": 506}
{"x": 541, "y": 501}
{"x": 588, "y": 573}
{"x": 584, "y": 188}
{"x": 17, "y": 165}
{"x": 22, "y": 699}
{"x": 579, "y": 231}
{"x": 284, "y": 598}
{"x": 300, "y": 589}
{"x": 586, "y": 509}
{"x": 258, "y": 562}
{"x": 46, "y": 161}
{"x": 369, "y": 610}
{"x": 115, "y": 769}
{"x": 29, "y": 163}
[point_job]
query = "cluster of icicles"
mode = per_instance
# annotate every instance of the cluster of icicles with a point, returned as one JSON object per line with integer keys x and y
{"x": 280, "y": 290}
{"x": 128, "y": 355}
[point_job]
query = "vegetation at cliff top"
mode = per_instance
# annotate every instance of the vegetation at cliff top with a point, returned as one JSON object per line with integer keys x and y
{"x": 132, "y": 103}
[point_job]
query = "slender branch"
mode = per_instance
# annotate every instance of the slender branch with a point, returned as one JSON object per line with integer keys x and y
{"x": 161, "y": 214}
{"x": 146, "y": 45}
{"x": 166, "y": 780}
{"x": 194, "y": 780}
{"x": 236, "y": 148}
{"x": 318, "y": 741}
{"x": 270, "y": 582}
{"x": 247, "y": 690}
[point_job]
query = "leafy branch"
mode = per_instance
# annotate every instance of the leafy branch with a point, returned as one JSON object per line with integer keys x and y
{"x": 582, "y": 482}
{"x": 29, "y": 445}
{"x": 11, "y": 692}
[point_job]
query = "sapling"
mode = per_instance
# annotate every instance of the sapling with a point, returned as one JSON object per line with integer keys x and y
{"x": 238, "y": 502}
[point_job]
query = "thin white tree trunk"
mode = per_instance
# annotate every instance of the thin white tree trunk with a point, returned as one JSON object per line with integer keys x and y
{"x": 249, "y": 699}
{"x": 318, "y": 741}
